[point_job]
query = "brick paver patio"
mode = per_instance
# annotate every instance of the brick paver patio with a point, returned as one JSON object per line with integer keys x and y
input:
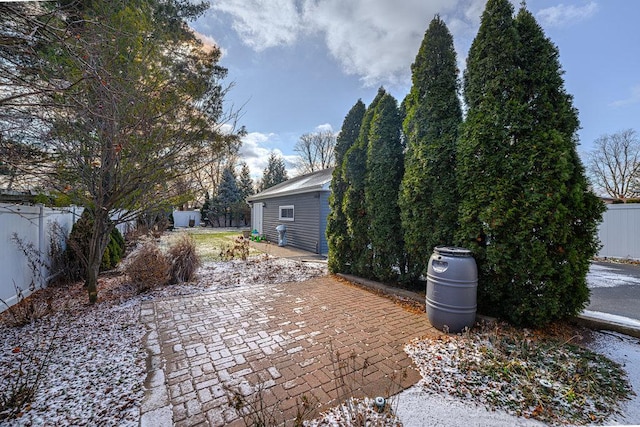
{"x": 274, "y": 344}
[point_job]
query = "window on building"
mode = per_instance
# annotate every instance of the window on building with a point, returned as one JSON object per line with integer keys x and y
{"x": 286, "y": 213}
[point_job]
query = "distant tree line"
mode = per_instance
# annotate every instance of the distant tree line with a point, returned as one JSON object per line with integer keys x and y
{"x": 227, "y": 206}
{"x": 505, "y": 181}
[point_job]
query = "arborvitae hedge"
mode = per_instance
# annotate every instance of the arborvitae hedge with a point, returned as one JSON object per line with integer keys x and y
{"x": 354, "y": 167}
{"x": 340, "y": 255}
{"x": 385, "y": 167}
{"x": 526, "y": 210}
{"x": 429, "y": 196}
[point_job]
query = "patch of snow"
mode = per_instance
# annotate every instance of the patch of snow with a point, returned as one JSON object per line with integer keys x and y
{"x": 600, "y": 276}
{"x": 612, "y": 318}
{"x": 417, "y": 408}
{"x": 623, "y": 350}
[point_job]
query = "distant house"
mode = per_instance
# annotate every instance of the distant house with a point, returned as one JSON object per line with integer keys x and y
{"x": 301, "y": 204}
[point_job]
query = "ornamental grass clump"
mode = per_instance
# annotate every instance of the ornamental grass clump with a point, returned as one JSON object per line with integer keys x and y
{"x": 148, "y": 267}
{"x": 184, "y": 260}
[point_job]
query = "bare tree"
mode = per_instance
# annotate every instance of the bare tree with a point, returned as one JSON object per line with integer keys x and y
{"x": 315, "y": 151}
{"x": 614, "y": 165}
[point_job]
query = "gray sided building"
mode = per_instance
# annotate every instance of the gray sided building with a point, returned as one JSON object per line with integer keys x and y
{"x": 301, "y": 204}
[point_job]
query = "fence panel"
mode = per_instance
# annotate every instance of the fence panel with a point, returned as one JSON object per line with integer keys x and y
{"x": 619, "y": 232}
{"x": 32, "y": 227}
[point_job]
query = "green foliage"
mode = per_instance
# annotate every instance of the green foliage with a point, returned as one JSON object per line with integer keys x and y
{"x": 384, "y": 174}
{"x": 78, "y": 246}
{"x": 354, "y": 171}
{"x": 274, "y": 173}
{"x": 114, "y": 252}
{"x": 526, "y": 210}
{"x": 245, "y": 185}
{"x": 229, "y": 196}
{"x": 429, "y": 196}
{"x": 340, "y": 256}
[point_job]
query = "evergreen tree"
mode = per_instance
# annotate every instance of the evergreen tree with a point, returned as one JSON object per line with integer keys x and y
{"x": 274, "y": 173}
{"x": 354, "y": 171}
{"x": 245, "y": 185}
{"x": 526, "y": 211}
{"x": 483, "y": 150}
{"x": 206, "y": 206}
{"x": 340, "y": 257}
{"x": 384, "y": 174}
{"x": 429, "y": 196}
{"x": 229, "y": 195}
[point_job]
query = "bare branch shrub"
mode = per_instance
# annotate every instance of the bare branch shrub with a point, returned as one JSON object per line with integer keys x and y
{"x": 27, "y": 309}
{"x": 240, "y": 249}
{"x": 19, "y": 386}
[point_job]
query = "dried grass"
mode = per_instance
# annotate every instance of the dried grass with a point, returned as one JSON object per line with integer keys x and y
{"x": 148, "y": 267}
{"x": 184, "y": 259}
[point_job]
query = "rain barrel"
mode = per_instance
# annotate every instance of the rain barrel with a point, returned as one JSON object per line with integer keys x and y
{"x": 452, "y": 285}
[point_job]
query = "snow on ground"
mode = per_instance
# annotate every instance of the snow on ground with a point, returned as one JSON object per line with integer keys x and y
{"x": 94, "y": 364}
{"x": 600, "y": 276}
{"x": 96, "y": 368}
{"x": 612, "y": 318}
{"x": 625, "y": 351}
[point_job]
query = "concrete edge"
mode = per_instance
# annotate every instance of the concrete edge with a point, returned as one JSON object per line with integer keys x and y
{"x": 585, "y": 320}
{"x": 385, "y": 289}
{"x": 608, "y": 325}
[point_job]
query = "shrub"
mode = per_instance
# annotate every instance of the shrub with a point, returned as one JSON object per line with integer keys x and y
{"x": 114, "y": 251}
{"x": 148, "y": 268}
{"x": 19, "y": 386}
{"x": 78, "y": 243}
{"x": 184, "y": 260}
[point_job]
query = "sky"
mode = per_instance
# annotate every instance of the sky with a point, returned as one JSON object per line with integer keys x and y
{"x": 298, "y": 66}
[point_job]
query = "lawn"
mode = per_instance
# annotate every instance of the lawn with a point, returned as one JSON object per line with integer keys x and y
{"x": 212, "y": 243}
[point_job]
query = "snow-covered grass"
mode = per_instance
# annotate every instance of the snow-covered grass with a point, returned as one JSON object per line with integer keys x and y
{"x": 532, "y": 374}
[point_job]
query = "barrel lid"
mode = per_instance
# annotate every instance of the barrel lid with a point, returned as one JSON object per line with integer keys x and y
{"x": 452, "y": 251}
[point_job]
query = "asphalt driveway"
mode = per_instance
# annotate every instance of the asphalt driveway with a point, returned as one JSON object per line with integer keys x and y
{"x": 615, "y": 289}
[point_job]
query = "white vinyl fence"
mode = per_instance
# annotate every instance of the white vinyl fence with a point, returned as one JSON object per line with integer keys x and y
{"x": 33, "y": 227}
{"x": 619, "y": 232}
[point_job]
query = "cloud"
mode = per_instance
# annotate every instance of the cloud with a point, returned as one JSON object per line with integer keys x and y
{"x": 375, "y": 40}
{"x": 325, "y": 127}
{"x": 255, "y": 150}
{"x": 563, "y": 15}
{"x": 633, "y": 98}
{"x": 262, "y": 24}
{"x": 209, "y": 43}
